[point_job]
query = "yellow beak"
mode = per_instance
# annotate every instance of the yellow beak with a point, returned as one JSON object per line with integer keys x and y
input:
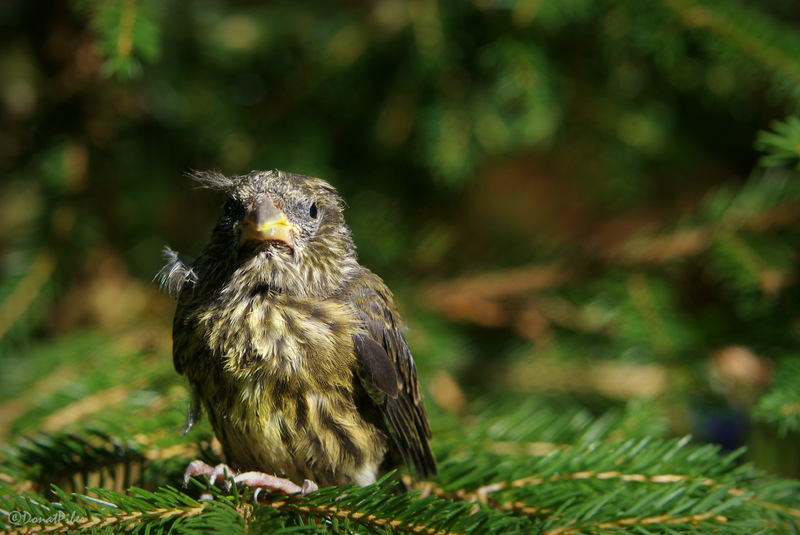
{"x": 266, "y": 222}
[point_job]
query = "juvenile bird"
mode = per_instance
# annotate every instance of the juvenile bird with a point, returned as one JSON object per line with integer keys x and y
{"x": 293, "y": 349}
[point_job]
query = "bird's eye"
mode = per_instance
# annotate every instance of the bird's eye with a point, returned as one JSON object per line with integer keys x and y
{"x": 313, "y": 211}
{"x": 229, "y": 208}
{"x": 233, "y": 209}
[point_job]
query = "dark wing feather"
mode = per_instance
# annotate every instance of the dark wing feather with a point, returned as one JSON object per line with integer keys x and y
{"x": 186, "y": 348}
{"x": 377, "y": 364}
{"x": 404, "y": 413}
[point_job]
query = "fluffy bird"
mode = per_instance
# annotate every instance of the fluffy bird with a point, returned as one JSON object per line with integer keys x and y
{"x": 292, "y": 348}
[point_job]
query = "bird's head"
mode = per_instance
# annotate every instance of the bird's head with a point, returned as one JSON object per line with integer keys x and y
{"x": 281, "y": 231}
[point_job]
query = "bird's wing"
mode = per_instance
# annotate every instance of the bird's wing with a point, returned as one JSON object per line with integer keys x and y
{"x": 187, "y": 347}
{"x": 178, "y": 277}
{"x": 388, "y": 364}
{"x": 184, "y": 340}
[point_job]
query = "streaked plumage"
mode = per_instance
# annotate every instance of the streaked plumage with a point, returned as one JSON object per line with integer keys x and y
{"x": 293, "y": 349}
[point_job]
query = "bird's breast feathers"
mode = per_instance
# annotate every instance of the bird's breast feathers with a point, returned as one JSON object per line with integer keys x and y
{"x": 279, "y": 334}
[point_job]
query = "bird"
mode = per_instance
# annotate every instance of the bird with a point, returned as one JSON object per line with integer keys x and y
{"x": 293, "y": 349}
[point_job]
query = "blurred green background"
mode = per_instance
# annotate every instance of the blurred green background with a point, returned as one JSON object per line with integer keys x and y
{"x": 582, "y": 205}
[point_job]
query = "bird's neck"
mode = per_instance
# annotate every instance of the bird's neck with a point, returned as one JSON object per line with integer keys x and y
{"x": 318, "y": 277}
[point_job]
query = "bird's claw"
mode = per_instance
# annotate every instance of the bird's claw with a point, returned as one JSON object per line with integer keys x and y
{"x": 308, "y": 486}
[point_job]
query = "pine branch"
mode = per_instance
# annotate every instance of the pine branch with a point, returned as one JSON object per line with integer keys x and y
{"x": 25, "y": 293}
{"x": 405, "y": 513}
{"x": 688, "y": 471}
{"x": 782, "y": 146}
{"x": 127, "y": 32}
{"x": 781, "y": 405}
{"x": 27, "y": 290}
{"x": 110, "y": 513}
{"x": 766, "y": 42}
{"x": 76, "y": 461}
{"x": 587, "y": 485}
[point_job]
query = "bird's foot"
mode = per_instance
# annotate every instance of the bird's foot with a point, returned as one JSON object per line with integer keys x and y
{"x": 257, "y": 481}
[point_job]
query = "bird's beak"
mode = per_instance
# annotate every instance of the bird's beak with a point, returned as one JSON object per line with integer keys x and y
{"x": 266, "y": 222}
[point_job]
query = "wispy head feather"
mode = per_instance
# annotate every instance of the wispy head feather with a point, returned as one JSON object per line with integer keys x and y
{"x": 211, "y": 179}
